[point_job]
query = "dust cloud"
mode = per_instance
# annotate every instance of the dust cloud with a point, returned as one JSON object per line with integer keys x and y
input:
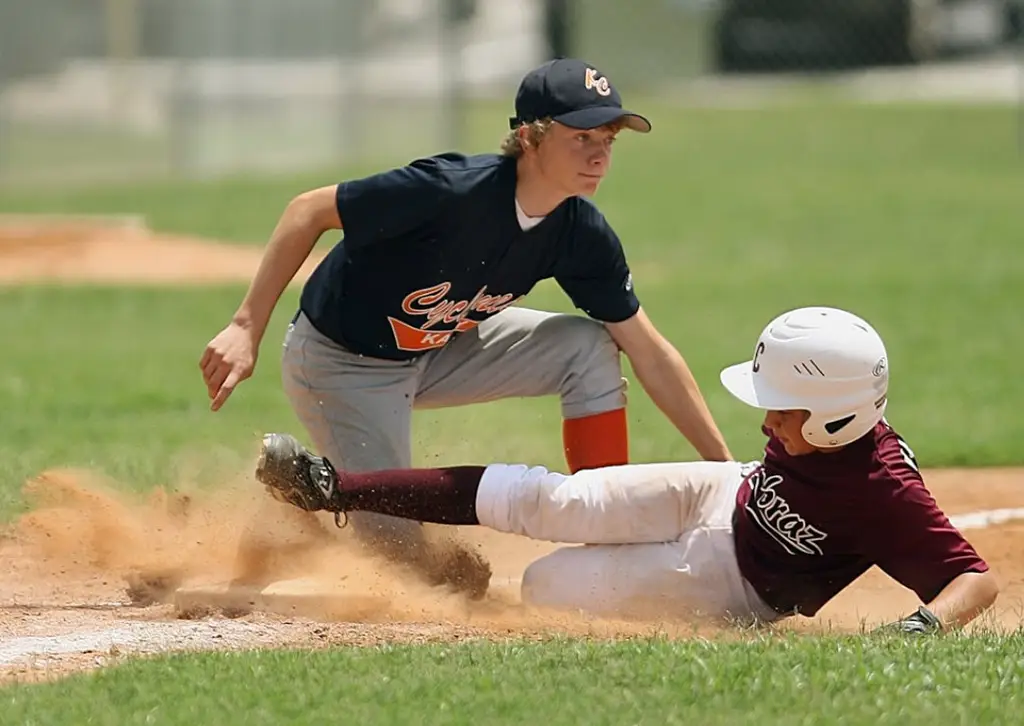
{"x": 87, "y": 528}
{"x": 236, "y": 533}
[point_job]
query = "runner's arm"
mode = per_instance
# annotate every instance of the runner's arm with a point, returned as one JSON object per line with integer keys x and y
{"x": 913, "y": 541}
{"x": 964, "y": 598}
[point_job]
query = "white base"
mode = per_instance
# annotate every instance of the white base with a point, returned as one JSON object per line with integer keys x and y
{"x": 299, "y": 597}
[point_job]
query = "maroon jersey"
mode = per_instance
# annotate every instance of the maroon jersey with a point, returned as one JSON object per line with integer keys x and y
{"x": 807, "y": 526}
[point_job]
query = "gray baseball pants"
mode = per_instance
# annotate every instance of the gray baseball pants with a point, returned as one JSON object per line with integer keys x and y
{"x": 358, "y": 410}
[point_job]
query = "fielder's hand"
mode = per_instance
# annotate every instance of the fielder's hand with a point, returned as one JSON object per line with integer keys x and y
{"x": 227, "y": 361}
{"x": 921, "y": 621}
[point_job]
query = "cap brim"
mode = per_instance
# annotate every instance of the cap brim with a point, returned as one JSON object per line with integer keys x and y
{"x": 591, "y": 118}
{"x": 739, "y": 381}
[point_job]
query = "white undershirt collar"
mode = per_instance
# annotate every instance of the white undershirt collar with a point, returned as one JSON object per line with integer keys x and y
{"x": 526, "y": 222}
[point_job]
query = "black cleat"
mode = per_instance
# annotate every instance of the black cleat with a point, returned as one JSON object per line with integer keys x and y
{"x": 295, "y": 476}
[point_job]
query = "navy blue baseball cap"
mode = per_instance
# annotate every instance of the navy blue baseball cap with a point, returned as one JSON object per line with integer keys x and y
{"x": 574, "y": 93}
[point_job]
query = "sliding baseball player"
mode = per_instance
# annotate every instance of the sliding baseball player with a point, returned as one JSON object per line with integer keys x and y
{"x": 837, "y": 492}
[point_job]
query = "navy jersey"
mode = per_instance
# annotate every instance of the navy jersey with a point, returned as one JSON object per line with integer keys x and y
{"x": 808, "y": 526}
{"x": 433, "y": 248}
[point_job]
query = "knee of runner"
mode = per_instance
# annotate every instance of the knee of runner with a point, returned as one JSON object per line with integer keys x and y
{"x": 553, "y": 582}
{"x": 536, "y": 586}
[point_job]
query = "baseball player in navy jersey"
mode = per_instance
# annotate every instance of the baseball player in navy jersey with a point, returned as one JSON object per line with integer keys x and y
{"x": 837, "y": 492}
{"x": 417, "y": 305}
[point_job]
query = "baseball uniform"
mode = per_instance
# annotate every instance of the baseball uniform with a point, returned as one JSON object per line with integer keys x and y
{"x": 808, "y": 526}
{"x": 417, "y": 305}
{"x": 765, "y": 540}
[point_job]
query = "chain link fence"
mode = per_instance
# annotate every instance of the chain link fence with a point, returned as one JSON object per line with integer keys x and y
{"x": 91, "y": 89}
{"x": 193, "y": 88}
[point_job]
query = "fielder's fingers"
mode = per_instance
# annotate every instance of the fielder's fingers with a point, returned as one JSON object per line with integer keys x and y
{"x": 217, "y": 379}
{"x": 213, "y": 366}
{"x": 220, "y": 398}
{"x": 207, "y": 355}
{"x": 225, "y": 390}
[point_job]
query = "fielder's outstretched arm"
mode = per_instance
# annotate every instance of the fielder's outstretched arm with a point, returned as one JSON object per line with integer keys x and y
{"x": 665, "y": 375}
{"x": 231, "y": 356}
{"x": 299, "y": 228}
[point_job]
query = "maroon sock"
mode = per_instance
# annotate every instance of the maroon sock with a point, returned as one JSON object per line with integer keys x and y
{"x": 443, "y": 495}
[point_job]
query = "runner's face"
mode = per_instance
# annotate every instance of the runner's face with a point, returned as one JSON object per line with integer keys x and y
{"x": 576, "y": 159}
{"x": 786, "y": 427}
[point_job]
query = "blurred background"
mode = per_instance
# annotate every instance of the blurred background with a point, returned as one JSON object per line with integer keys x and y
{"x": 860, "y": 153}
{"x": 93, "y": 89}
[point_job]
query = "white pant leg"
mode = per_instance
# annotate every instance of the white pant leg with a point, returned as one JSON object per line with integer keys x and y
{"x": 631, "y": 504}
{"x": 661, "y": 538}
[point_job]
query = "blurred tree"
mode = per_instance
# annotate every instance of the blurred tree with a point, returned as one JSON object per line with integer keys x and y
{"x": 558, "y": 27}
{"x": 38, "y": 36}
{"x": 460, "y": 11}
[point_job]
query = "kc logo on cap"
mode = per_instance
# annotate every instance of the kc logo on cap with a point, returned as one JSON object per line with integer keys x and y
{"x": 554, "y": 90}
{"x": 597, "y": 83}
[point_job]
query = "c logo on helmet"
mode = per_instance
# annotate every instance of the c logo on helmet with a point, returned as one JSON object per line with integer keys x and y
{"x": 757, "y": 356}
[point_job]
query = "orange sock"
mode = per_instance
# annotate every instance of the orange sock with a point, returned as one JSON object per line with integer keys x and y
{"x": 598, "y": 440}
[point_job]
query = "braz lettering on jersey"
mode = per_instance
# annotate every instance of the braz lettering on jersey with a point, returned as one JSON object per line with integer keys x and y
{"x": 774, "y": 515}
{"x": 442, "y": 317}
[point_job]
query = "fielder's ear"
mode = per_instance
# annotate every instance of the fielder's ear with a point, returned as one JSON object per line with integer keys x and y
{"x": 523, "y": 133}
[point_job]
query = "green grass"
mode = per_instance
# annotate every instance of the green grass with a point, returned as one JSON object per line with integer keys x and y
{"x": 908, "y": 215}
{"x": 109, "y": 380}
{"x": 778, "y": 680}
{"x": 54, "y": 151}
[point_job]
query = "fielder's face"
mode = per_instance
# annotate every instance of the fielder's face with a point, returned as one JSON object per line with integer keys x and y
{"x": 786, "y": 427}
{"x": 576, "y": 160}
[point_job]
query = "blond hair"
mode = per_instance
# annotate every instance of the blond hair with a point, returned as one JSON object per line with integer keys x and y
{"x": 513, "y": 144}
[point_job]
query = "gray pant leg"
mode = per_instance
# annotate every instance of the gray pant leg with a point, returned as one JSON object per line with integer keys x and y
{"x": 357, "y": 412}
{"x": 524, "y": 353}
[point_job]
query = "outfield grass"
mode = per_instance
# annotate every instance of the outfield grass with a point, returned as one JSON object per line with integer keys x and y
{"x": 911, "y": 216}
{"x": 108, "y": 379}
{"x": 763, "y": 681}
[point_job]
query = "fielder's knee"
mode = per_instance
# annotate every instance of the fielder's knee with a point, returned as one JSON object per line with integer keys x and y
{"x": 592, "y": 380}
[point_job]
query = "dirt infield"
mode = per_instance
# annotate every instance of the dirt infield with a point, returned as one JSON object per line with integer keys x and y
{"x": 88, "y": 570}
{"x": 122, "y": 250}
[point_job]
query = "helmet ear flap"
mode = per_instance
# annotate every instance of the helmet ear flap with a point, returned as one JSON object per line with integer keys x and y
{"x": 815, "y": 429}
{"x": 828, "y": 430}
{"x": 836, "y": 425}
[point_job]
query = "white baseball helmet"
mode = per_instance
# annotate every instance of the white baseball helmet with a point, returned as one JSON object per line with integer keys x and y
{"x": 823, "y": 360}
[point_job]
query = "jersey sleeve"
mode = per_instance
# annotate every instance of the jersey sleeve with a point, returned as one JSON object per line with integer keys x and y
{"x": 391, "y": 203}
{"x": 914, "y": 541}
{"x": 594, "y": 273}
